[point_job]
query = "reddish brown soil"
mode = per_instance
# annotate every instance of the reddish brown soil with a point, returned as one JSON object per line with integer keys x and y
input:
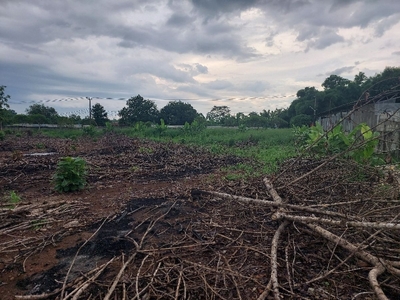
{"x": 120, "y": 170}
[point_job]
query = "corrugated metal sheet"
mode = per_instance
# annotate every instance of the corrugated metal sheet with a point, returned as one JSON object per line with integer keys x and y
{"x": 382, "y": 117}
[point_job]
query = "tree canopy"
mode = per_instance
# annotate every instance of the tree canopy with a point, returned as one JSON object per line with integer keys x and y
{"x": 138, "y": 109}
{"x": 3, "y": 104}
{"x": 218, "y": 114}
{"x": 178, "y": 113}
{"x": 40, "y": 109}
{"x": 99, "y": 114}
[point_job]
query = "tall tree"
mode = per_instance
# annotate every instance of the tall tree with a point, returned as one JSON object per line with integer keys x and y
{"x": 360, "y": 78}
{"x": 138, "y": 109}
{"x": 178, "y": 113}
{"x": 218, "y": 114}
{"x": 3, "y": 104}
{"x": 389, "y": 78}
{"x": 99, "y": 114}
{"x": 335, "y": 81}
{"x": 40, "y": 109}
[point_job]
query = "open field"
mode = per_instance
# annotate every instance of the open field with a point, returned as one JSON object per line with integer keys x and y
{"x": 150, "y": 224}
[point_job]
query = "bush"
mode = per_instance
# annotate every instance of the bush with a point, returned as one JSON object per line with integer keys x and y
{"x": 2, "y": 135}
{"x": 70, "y": 175}
{"x": 359, "y": 144}
{"x": 301, "y": 120}
{"x": 89, "y": 131}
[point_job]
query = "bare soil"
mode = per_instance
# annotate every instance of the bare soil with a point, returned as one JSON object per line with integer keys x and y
{"x": 141, "y": 215}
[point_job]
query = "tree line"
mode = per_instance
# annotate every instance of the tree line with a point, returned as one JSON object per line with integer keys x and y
{"x": 308, "y": 105}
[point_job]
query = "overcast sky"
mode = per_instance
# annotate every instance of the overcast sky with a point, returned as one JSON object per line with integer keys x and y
{"x": 247, "y": 54}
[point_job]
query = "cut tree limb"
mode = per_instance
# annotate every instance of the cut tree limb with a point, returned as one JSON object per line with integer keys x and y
{"x": 376, "y": 225}
{"x": 270, "y": 203}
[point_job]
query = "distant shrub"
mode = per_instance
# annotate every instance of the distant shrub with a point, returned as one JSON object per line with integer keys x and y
{"x": 301, "y": 120}
{"x": 89, "y": 131}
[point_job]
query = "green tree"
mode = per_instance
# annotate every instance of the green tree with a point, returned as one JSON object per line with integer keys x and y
{"x": 3, "y": 105}
{"x": 335, "y": 81}
{"x": 360, "y": 78}
{"x": 389, "y": 78}
{"x": 178, "y": 113}
{"x": 75, "y": 119}
{"x": 7, "y": 116}
{"x": 301, "y": 120}
{"x": 99, "y": 114}
{"x": 305, "y": 104}
{"x": 218, "y": 114}
{"x": 278, "y": 122}
{"x": 138, "y": 109}
{"x": 40, "y": 109}
{"x": 255, "y": 120}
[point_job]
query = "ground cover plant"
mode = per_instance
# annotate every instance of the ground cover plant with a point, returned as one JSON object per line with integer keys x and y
{"x": 268, "y": 147}
{"x": 70, "y": 174}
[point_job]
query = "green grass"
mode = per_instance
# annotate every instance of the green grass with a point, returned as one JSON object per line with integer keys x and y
{"x": 12, "y": 199}
{"x": 266, "y": 147}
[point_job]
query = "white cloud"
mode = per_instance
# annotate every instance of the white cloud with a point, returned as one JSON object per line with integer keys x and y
{"x": 200, "y": 50}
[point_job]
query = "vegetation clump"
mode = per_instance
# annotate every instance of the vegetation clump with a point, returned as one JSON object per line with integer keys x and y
{"x": 359, "y": 144}
{"x": 70, "y": 175}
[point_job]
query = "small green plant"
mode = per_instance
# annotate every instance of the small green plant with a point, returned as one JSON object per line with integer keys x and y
{"x": 135, "y": 169}
{"x": 40, "y": 146}
{"x": 242, "y": 127}
{"x": 146, "y": 150}
{"x": 38, "y": 224}
{"x": 139, "y": 126}
{"x": 161, "y": 128}
{"x": 12, "y": 199}
{"x": 2, "y": 135}
{"x": 70, "y": 175}
{"x": 359, "y": 144}
{"x": 109, "y": 127}
{"x": 89, "y": 131}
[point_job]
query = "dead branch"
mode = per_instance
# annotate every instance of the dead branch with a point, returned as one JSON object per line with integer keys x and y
{"x": 364, "y": 224}
{"x": 270, "y": 203}
{"x": 274, "y": 259}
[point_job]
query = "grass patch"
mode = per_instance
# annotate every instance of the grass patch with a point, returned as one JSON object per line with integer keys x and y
{"x": 12, "y": 199}
{"x": 267, "y": 147}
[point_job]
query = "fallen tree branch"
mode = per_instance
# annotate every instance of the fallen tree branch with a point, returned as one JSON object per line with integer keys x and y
{"x": 274, "y": 259}
{"x": 270, "y": 203}
{"x": 365, "y": 224}
{"x": 378, "y": 269}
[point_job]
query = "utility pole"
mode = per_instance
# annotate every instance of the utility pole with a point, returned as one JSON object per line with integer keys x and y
{"x": 90, "y": 107}
{"x": 315, "y": 110}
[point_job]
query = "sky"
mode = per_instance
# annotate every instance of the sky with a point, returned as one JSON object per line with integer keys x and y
{"x": 249, "y": 55}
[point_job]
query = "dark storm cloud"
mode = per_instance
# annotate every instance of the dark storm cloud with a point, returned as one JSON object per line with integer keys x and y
{"x": 150, "y": 44}
{"x": 340, "y": 71}
{"x": 308, "y": 17}
{"x": 325, "y": 40}
{"x": 179, "y": 20}
{"x": 194, "y": 69}
{"x": 201, "y": 69}
{"x": 214, "y": 8}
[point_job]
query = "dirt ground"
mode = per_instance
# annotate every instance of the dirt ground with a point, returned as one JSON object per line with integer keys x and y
{"x": 141, "y": 224}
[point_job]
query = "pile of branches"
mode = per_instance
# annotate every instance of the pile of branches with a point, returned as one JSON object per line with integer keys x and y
{"x": 20, "y": 225}
{"x": 329, "y": 236}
